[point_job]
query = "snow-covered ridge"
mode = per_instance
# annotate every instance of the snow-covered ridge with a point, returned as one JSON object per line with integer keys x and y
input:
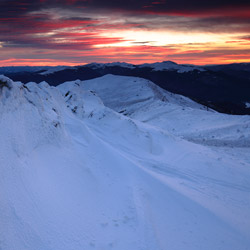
{"x": 142, "y": 100}
{"x": 43, "y": 70}
{"x": 118, "y": 92}
{"x": 17, "y": 69}
{"x": 29, "y": 116}
{"x": 168, "y": 65}
{"x": 114, "y": 64}
{"x": 108, "y": 164}
{"x": 52, "y": 70}
{"x": 158, "y": 66}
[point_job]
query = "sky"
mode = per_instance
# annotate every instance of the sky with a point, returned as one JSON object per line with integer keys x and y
{"x": 73, "y": 32}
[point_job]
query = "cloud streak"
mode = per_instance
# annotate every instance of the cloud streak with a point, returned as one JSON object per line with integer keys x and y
{"x": 134, "y": 31}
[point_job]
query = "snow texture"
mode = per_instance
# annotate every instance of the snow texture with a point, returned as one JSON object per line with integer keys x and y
{"x": 118, "y": 163}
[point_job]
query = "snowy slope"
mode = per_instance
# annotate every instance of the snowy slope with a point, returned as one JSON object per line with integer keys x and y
{"x": 142, "y": 100}
{"x": 77, "y": 174}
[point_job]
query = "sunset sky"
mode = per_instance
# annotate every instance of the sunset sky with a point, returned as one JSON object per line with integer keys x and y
{"x": 72, "y": 32}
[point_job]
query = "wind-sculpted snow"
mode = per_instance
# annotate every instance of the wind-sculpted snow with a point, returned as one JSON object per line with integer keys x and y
{"x": 30, "y": 116}
{"x": 142, "y": 100}
{"x": 104, "y": 164}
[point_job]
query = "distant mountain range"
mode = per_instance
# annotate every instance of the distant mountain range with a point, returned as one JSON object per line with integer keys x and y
{"x": 225, "y": 88}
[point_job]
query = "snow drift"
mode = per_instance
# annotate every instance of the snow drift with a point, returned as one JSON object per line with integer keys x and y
{"x": 111, "y": 163}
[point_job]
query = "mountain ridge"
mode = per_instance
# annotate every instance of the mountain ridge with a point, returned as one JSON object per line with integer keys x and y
{"x": 223, "y": 89}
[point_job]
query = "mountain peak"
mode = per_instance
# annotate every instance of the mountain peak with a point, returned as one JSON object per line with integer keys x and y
{"x": 170, "y": 62}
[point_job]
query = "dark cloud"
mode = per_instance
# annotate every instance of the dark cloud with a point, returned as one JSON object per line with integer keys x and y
{"x": 166, "y": 5}
{"x": 144, "y": 42}
{"x": 245, "y": 37}
{"x": 15, "y": 7}
{"x": 196, "y": 24}
{"x": 67, "y": 25}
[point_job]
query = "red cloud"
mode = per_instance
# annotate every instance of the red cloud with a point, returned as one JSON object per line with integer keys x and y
{"x": 30, "y": 37}
{"x": 135, "y": 54}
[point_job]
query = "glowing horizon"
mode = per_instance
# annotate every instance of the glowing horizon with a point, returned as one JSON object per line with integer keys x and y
{"x": 52, "y": 33}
